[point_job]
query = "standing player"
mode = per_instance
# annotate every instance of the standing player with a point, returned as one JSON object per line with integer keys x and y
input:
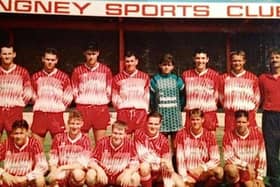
{"x": 239, "y": 90}
{"x": 130, "y": 94}
{"x": 197, "y": 153}
{"x": 153, "y": 151}
{"x": 91, "y": 83}
{"x": 70, "y": 154}
{"x": 269, "y": 85}
{"x": 15, "y": 88}
{"x": 114, "y": 160}
{"x": 24, "y": 161}
{"x": 201, "y": 85}
{"x": 244, "y": 153}
{"x": 53, "y": 93}
{"x": 167, "y": 97}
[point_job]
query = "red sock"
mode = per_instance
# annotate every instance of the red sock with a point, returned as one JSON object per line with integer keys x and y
{"x": 147, "y": 183}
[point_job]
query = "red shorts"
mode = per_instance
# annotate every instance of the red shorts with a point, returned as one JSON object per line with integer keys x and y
{"x": 210, "y": 120}
{"x": 134, "y": 118}
{"x": 8, "y": 116}
{"x": 230, "y": 119}
{"x": 47, "y": 121}
{"x": 95, "y": 116}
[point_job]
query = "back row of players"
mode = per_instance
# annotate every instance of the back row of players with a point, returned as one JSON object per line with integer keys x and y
{"x": 131, "y": 91}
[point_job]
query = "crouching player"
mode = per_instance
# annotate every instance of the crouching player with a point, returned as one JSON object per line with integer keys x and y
{"x": 244, "y": 153}
{"x": 114, "y": 160}
{"x": 70, "y": 154}
{"x": 197, "y": 153}
{"x": 153, "y": 151}
{"x": 24, "y": 161}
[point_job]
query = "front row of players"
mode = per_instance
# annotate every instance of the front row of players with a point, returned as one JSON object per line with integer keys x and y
{"x": 145, "y": 160}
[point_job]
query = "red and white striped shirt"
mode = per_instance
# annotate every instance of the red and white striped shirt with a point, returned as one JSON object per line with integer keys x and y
{"x": 115, "y": 159}
{"x": 92, "y": 85}
{"x": 65, "y": 150}
{"x": 53, "y": 91}
{"x": 195, "y": 151}
{"x": 201, "y": 89}
{"x": 131, "y": 90}
{"x": 26, "y": 160}
{"x": 246, "y": 150}
{"x": 15, "y": 87}
{"x": 240, "y": 92}
{"x": 151, "y": 149}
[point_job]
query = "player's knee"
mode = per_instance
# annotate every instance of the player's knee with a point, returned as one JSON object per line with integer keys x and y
{"x": 91, "y": 177}
{"x": 219, "y": 173}
{"x": 40, "y": 181}
{"x": 231, "y": 173}
{"x": 145, "y": 169}
{"x": 78, "y": 177}
{"x": 178, "y": 180}
{"x": 135, "y": 179}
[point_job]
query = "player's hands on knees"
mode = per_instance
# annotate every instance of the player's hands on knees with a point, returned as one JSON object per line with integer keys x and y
{"x": 124, "y": 179}
{"x": 258, "y": 183}
{"x": 166, "y": 164}
{"x": 196, "y": 172}
{"x": 8, "y": 179}
{"x": 101, "y": 176}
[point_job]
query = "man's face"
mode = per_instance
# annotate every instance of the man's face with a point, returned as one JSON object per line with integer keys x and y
{"x": 166, "y": 68}
{"x": 200, "y": 61}
{"x": 275, "y": 60}
{"x": 75, "y": 125}
{"x": 153, "y": 126}
{"x": 130, "y": 64}
{"x": 49, "y": 60}
{"x": 19, "y": 136}
{"x": 118, "y": 136}
{"x": 242, "y": 125}
{"x": 196, "y": 122}
{"x": 237, "y": 63}
{"x": 91, "y": 57}
{"x": 7, "y": 55}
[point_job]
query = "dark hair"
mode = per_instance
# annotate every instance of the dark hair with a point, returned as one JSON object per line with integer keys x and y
{"x": 241, "y": 113}
{"x": 274, "y": 51}
{"x": 154, "y": 114}
{"x": 51, "y": 50}
{"x": 200, "y": 50}
{"x": 91, "y": 46}
{"x": 196, "y": 112}
{"x": 130, "y": 54}
{"x": 238, "y": 53}
{"x": 167, "y": 58}
{"x": 7, "y": 44}
{"x": 20, "y": 124}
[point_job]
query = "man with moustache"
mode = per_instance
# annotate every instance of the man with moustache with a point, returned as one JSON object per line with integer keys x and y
{"x": 269, "y": 86}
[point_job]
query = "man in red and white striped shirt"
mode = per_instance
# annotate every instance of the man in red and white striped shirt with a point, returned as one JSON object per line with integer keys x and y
{"x": 15, "y": 88}
{"x": 91, "y": 83}
{"x": 114, "y": 160}
{"x": 24, "y": 161}
{"x": 53, "y": 93}
{"x": 244, "y": 153}
{"x": 154, "y": 154}
{"x": 201, "y": 85}
{"x": 239, "y": 90}
{"x": 131, "y": 94}
{"x": 70, "y": 154}
{"x": 197, "y": 153}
